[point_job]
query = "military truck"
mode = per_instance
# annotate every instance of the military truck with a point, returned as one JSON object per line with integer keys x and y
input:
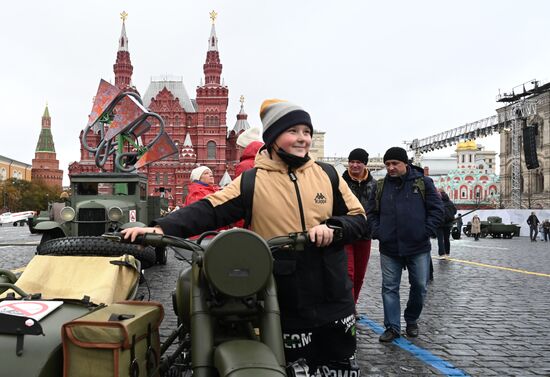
{"x": 100, "y": 203}
{"x": 494, "y": 227}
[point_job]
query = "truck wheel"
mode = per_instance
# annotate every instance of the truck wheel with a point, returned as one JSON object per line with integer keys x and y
{"x": 161, "y": 255}
{"x": 15, "y": 223}
{"x": 96, "y": 246}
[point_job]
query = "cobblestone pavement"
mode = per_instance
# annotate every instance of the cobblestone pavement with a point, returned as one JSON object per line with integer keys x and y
{"x": 487, "y": 312}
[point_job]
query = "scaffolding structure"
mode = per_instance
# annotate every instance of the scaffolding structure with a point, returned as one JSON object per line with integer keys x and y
{"x": 510, "y": 118}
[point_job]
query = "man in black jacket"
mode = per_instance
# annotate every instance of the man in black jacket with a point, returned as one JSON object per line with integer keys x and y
{"x": 533, "y": 222}
{"x": 361, "y": 183}
{"x": 404, "y": 210}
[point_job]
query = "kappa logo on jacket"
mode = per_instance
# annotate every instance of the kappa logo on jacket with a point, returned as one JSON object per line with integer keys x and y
{"x": 320, "y": 198}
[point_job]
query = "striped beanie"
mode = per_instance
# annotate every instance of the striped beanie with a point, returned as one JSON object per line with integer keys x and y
{"x": 279, "y": 115}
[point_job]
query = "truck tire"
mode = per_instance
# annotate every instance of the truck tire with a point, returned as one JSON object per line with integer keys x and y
{"x": 96, "y": 246}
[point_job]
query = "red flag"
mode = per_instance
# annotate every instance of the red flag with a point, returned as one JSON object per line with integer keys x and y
{"x": 163, "y": 148}
{"x": 106, "y": 93}
{"x": 127, "y": 111}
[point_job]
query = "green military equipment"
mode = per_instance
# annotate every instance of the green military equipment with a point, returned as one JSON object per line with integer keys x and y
{"x": 100, "y": 203}
{"x": 494, "y": 227}
{"x": 121, "y": 339}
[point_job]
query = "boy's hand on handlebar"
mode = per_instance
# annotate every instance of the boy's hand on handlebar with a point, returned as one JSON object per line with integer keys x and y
{"x": 132, "y": 233}
{"x": 321, "y": 235}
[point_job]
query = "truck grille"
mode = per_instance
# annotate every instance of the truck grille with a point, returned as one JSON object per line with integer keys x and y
{"x": 91, "y": 214}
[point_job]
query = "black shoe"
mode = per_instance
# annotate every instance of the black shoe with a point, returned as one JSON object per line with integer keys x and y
{"x": 389, "y": 335}
{"x": 412, "y": 330}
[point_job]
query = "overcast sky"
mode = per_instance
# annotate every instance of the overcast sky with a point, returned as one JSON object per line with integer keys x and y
{"x": 371, "y": 74}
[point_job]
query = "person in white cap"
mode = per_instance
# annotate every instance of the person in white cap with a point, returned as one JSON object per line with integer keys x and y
{"x": 251, "y": 142}
{"x": 202, "y": 184}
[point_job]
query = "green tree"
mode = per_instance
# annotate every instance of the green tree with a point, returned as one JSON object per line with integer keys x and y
{"x": 20, "y": 195}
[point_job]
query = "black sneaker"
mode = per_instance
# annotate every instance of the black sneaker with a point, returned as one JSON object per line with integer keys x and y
{"x": 389, "y": 335}
{"x": 412, "y": 330}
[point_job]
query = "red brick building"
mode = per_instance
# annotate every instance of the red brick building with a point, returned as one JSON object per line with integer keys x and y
{"x": 197, "y": 126}
{"x": 45, "y": 165}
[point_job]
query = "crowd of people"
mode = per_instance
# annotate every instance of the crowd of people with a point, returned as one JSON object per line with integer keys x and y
{"x": 319, "y": 288}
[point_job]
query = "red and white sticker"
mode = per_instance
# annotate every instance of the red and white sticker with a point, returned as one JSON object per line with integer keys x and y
{"x": 132, "y": 215}
{"x": 32, "y": 309}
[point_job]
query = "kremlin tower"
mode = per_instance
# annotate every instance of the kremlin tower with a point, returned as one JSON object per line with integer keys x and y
{"x": 45, "y": 165}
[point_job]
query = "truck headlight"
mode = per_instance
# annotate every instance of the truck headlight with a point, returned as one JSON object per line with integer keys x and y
{"x": 67, "y": 214}
{"x": 114, "y": 214}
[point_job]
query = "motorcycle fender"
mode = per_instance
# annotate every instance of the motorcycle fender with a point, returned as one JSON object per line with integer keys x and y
{"x": 240, "y": 358}
{"x": 133, "y": 225}
{"x": 49, "y": 225}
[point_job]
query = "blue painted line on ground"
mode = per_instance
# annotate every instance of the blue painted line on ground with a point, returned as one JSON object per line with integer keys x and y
{"x": 426, "y": 356}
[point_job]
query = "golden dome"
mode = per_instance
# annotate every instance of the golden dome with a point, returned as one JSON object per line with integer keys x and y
{"x": 468, "y": 145}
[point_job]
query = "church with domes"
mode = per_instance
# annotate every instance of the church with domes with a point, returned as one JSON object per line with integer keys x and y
{"x": 474, "y": 181}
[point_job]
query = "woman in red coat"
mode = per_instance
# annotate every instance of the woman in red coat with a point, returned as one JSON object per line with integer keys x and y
{"x": 202, "y": 184}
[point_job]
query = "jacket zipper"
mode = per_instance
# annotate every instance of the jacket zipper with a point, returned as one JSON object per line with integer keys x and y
{"x": 294, "y": 180}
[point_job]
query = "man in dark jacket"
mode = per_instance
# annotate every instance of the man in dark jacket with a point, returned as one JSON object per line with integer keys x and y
{"x": 533, "y": 222}
{"x": 403, "y": 216}
{"x": 361, "y": 183}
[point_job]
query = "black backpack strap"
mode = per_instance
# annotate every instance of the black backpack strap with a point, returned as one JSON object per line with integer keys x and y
{"x": 339, "y": 206}
{"x": 248, "y": 180}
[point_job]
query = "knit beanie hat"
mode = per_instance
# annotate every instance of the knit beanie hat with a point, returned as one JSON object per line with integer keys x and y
{"x": 248, "y": 136}
{"x": 359, "y": 154}
{"x": 197, "y": 172}
{"x": 396, "y": 153}
{"x": 279, "y": 115}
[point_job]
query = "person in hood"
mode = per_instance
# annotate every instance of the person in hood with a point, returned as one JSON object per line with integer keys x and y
{"x": 202, "y": 184}
{"x": 292, "y": 193}
{"x": 250, "y": 141}
{"x": 404, "y": 215}
{"x": 361, "y": 183}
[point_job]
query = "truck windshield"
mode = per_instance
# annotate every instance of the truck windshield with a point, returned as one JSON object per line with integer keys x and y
{"x": 106, "y": 188}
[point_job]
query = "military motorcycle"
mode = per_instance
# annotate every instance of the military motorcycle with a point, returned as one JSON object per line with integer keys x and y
{"x": 226, "y": 305}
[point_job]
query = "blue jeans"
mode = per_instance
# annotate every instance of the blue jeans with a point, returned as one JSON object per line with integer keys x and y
{"x": 419, "y": 269}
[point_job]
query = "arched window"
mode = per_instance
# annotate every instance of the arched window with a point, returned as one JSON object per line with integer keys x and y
{"x": 539, "y": 182}
{"x": 157, "y": 178}
{"x": 212, "y": 121}
{"x": 3, "y": 174}
{"x": 211, "y": 150}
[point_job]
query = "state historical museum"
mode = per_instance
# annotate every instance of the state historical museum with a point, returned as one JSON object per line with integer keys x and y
{"x": 197, "y": 126}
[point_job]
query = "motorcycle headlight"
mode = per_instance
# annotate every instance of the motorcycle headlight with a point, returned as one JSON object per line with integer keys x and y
{"x": 67, "y": 214}
{"x": 238, "y": 263}
{"x": 114, "y": 214}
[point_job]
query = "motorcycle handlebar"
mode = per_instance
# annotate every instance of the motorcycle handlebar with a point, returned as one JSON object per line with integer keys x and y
{"x": 295, "y": 241}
